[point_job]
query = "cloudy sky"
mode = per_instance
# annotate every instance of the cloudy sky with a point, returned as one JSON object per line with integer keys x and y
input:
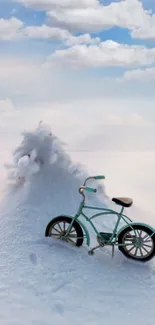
{"x": 79, "y": 65}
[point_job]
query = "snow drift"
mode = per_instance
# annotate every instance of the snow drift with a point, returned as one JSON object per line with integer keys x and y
{"x": 43, "y": 178}
{"x": 46, "y": 282}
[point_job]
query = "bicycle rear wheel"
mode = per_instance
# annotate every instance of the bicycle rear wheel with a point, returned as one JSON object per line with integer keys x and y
{"x": 143, "y": 249}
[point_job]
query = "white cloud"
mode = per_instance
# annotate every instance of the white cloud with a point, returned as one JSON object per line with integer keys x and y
{"x": 61, "y": 117}
{"x": 107, "y": 53}
{"x": 113, "y": 119}
{"x": 137, "y": 120}
{"x": 50, "y": 4}
{"x": 142, "y": 75}
{"x": 46, "y": 32}
{"x": 17, "y": 71}
{"x": 82, "y": 39}
{"x": 128, "y": 14}
{"x": 71, "y": 117}
{"x": 13, "y": 28}
{"x": 85, "y": 16}
{"x": 24, "y": 77}
{"x": 145, "y": 32}
{"x": 120, "y": 132}
{"x": 10, "y": 29}
{"x": 26, "y": 80}
{"x": 54, "y": 33}
{"x": 134, "y": 119}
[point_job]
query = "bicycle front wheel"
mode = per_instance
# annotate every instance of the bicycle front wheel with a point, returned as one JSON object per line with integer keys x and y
{"x": 57, "y": 228}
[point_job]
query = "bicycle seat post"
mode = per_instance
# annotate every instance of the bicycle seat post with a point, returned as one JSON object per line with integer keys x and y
{"x": 122, "y": 209}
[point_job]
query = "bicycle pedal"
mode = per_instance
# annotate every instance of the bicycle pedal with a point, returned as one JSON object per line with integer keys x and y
{"x": 91, "y": 252}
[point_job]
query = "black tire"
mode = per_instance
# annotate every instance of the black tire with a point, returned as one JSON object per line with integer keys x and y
{"x": 124, "y": 249}
{"x": 77, "y": 230}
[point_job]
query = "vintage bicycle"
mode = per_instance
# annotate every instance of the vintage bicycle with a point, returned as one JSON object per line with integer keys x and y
{"x": 135, "y": 240}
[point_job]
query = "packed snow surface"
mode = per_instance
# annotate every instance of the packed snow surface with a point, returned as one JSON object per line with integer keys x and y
{"x": 48, "y": 282}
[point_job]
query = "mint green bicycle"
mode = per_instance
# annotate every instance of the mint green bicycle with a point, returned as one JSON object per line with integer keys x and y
{"x": 135, "y": 240}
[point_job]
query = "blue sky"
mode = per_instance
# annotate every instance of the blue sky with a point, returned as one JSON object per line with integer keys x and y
{"x": 29, "y": 16}
{"x": 34, "y": 17}
{"x": 77, "y": 59}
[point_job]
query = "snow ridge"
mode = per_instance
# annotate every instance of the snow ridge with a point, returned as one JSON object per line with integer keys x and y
{"x": 44, "y": 282}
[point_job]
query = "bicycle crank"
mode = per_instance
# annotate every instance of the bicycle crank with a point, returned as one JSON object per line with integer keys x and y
{"x": 102, "y": 243}
{"x": 91, "y": 251}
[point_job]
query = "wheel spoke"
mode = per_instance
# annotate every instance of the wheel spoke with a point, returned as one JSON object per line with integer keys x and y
{"x": 145, "y": 249}
{"x": 59, "y": 227}
{"x": 136, "y": 251}
{"x": 148, "y": 240}
{"x": 64, "y": 226}
{"x": 72, "y": 230}
{"x": 56, "y": 235}
{"x": 130, "y": 249}
{"x": 141, "y": 251}
{"x": 147, "y": 245}
{"x": 70, "y": 240}
{"x": 145, "y": 237}
{"x": 57, "y": 230}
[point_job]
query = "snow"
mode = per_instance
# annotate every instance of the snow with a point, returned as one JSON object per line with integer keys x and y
{"x": 47, "y": 282}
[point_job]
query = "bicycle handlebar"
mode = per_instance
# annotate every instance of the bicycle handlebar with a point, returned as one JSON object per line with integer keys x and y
{"x": 99, "y": 177}
{"x": 90, "y": 189}
{"x": 87, "y": 188}
{"x": 93, "y": 177}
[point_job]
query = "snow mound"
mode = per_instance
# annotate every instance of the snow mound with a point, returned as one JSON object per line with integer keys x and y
{"x": 44, "y": 282}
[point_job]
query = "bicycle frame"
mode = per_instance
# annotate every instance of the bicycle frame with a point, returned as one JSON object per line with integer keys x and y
{"x": 104, "y": 211}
